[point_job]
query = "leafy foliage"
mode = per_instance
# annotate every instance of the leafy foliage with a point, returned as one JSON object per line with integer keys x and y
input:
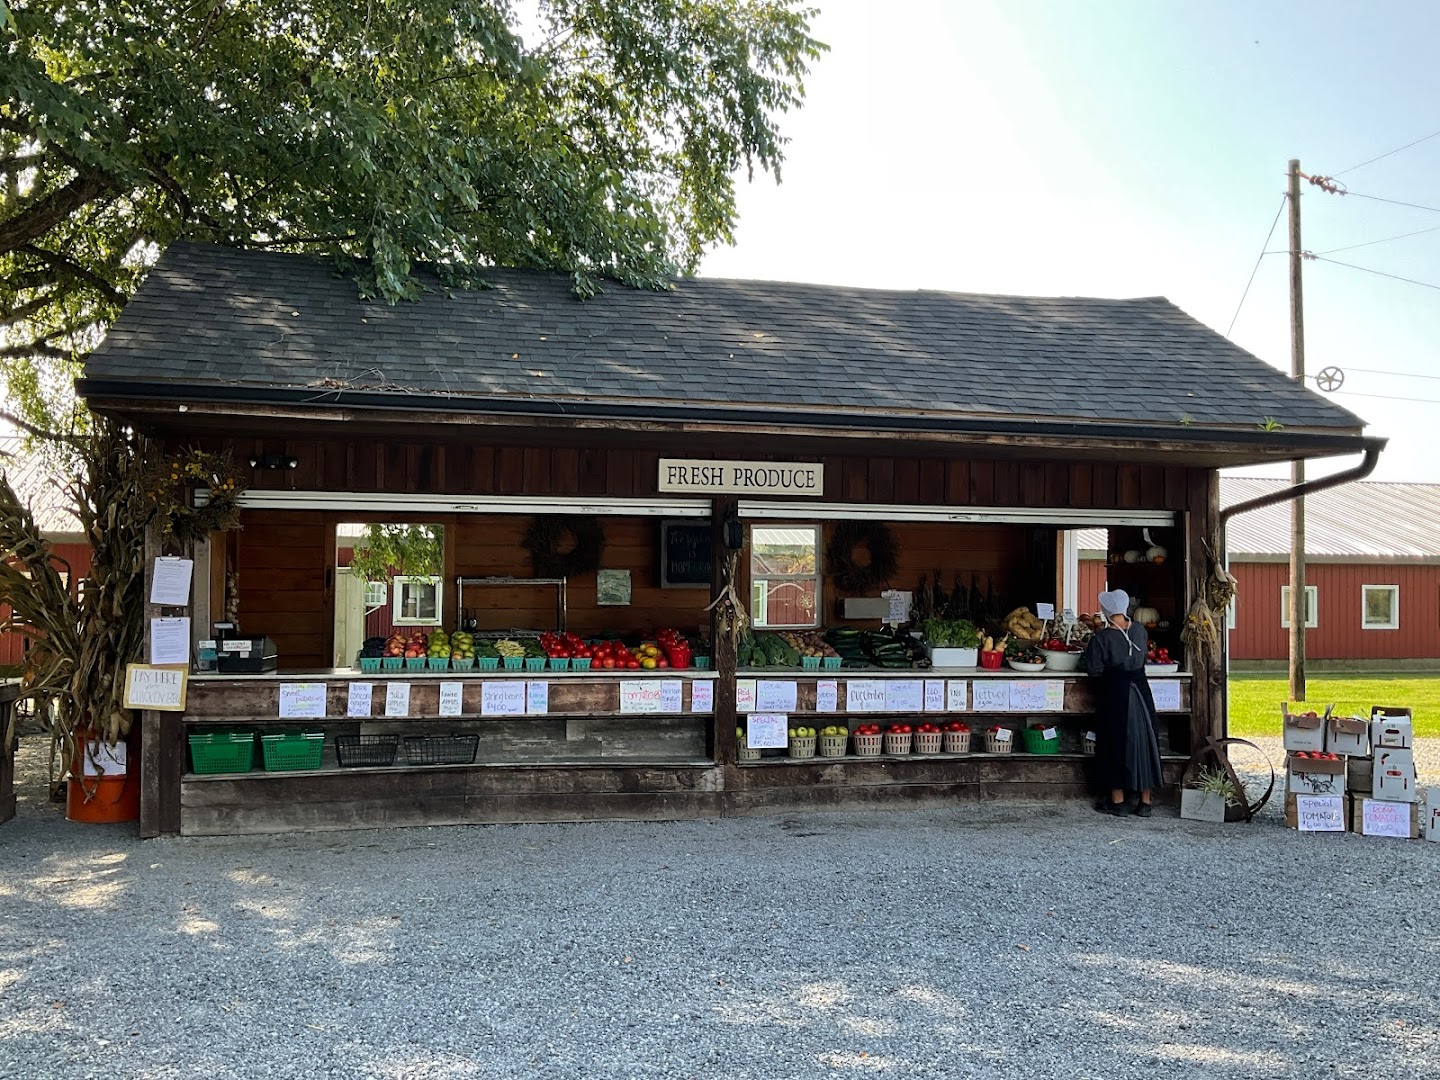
{"x": 603, "y": 142}
{"x": 385, "y": 551}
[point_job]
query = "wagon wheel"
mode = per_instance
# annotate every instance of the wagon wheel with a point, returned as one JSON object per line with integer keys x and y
{"x": 1249, "y": 769}
{"x": 1330, "y": 379}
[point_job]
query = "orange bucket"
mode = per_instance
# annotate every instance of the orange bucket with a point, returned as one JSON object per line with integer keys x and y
{"x": 113, "y": 796}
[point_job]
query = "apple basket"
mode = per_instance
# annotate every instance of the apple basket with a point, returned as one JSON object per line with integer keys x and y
{"x": 868, "y": 744}
{"x": 1087, "y": 744}
{"x": 898, "y": 742}
{"x": 802, "y": 746}
{"x": 957, "y": 742}
{"x": 999, "y": 741}
{"x": 833, "y": 745}
{"x": 928, "y": 742}
{"x": 746, "y": 753}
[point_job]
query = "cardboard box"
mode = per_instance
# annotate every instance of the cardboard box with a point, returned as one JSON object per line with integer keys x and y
{"x": 1383, "y": 817}
{"x": 1303, "y": 731}
{"x": 1360, "y": 775}
{"x": 1348, "y": 735}
{"x": 1391, "y": 728}
{"x": 1322, "y": 813}
{"x": 1313, "y": 776}
{"x": 1432, "y": 815}
{"x": 1394, "y": 778}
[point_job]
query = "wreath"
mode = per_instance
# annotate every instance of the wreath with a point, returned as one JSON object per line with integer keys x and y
{"x": 878, "y": 540}
{"x": 582, "y": 554}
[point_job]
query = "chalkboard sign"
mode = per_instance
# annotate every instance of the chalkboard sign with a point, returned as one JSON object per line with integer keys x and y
{"x": 685, "y": 554}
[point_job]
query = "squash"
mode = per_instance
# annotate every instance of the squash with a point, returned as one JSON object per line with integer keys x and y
{"x": 1155, "y": 554}
{"x": 1147, "y": 616}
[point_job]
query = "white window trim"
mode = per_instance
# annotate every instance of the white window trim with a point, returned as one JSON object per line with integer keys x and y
{"x": 1230, "y": 614}
{"x": 1394, "y": 623}
{"x": 1312, "y": 603}
{"x": 818, "y": 577}
{"x": 397, "y": 594}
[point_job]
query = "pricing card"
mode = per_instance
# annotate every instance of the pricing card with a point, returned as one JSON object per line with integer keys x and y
{"x": 360, "y": 699}
{"x": 702, "y": 696}
{"x": 827, "y": 696}
{"x": 450, "y": 698}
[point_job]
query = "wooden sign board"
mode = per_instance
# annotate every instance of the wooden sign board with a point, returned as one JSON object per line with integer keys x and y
{"x": 148, "y": 686}
{"x": 690, "y": 476}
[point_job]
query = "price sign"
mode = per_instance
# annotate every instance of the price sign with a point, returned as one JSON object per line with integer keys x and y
{"x": 992, "y": 695}
{"x": 397, "y": 699}
{"x": 934, "y": 695}
{"x": 672, "y": 692}
{"x": 537, "y": 698}
{"x": 359, "y": 699}
{"x": 1382, "y": 818}
{"x": 957, "y": 695}
{"x": 775, "y": 696}
{"x": 641, "y": 696}
{"x": 744, "y": 695}
{"x": 302, "y": 701}
{"x": 864, "y": 695}
{"x": 827, "y": 696}
{"x": 1054, "y": 695}
{"x": 502, "y": 698}
{"x": 451, "y": 694}
{"x": 1166, "y": 694}
{"x": 1027, "y": 696}
{"x": 904, "y": 695}
{"x": 702, "y": 696}
{"x": 1045, "y": 611}
{"x": 1320, "y": 813}
{"x": 767, "y": 731}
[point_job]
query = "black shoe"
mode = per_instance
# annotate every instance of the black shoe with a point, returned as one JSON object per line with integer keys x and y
{"x": 1142, "y": 809}
{"x": 1105, "y": 806}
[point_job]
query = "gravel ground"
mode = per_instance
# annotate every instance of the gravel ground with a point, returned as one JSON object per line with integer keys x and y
{"x": 1008, "y": 940}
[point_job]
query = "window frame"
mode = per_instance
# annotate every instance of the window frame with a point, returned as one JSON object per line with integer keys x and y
{"x": 1312, "y": 604}
{"x": 397, "y": 600}
{"x": 817, "y": 576}
{"x": 1394, "y": 622}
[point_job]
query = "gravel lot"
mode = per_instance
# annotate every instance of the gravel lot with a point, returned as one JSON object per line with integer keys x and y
{"x": 1005, "y": 941}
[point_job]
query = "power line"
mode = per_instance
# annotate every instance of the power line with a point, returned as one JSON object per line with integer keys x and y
{"x": 1377, "y": 273}
{"x": 1387, "y": 153}
{"x": 1390, "y": 397}
{"x": 1396, "y": 374}
{"x": 1372, "y": 243}
{"x": 1392, "y": 202}
{"x": 1256, "y": 268}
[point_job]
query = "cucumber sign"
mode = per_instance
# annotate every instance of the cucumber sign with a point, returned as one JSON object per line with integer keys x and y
{"x": 699, "y": 476}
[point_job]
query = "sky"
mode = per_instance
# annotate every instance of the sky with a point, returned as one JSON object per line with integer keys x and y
{"x": 1130, "y": 148}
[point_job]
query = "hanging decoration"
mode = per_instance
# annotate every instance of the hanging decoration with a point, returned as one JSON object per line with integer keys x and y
{"x": 564, "y": 545}
{"x": 857, "y": 577}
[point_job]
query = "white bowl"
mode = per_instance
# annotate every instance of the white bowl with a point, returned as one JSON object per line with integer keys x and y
{"x": 1018, "y": 666}
{"x": 1161, "y": 669}
{"x": 1061, "y": 661}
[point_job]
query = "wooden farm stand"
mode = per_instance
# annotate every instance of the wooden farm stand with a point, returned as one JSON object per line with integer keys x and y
{"x": 966, "y": 488}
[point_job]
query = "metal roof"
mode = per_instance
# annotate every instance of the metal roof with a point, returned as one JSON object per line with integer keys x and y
{"x": 1361, "y": 521}
{"x": 38, "y": 486}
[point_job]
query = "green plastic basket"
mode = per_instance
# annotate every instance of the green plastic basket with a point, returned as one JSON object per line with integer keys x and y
{"x": 291, "y": 751}
{"x": 370, "y": 663}
{"x": 514, "y": 663}
{"x": 702, "y": 663}
{"x": 463, "y": 665}
{"x": 560, "y": 663}
{"x": 534, "y": 663}
{"x": 392, "y": 663}
{"x": 438, "y": 663}
{"x": 1036, "y": 743}
{"x": 222, "y": 752}
{"x": 488, "y": 663}
{"x": 810, "y": 663}
{"x": 415, "y": 663}
{"x": 580, "y": 663}
{"x": 830, "y": 663}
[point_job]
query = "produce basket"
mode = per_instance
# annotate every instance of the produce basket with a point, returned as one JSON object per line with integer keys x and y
{"x": 898, "y": 743}
{"x": 830, "y": 663}
{"x": 370, "y": 663}
{"x": 580, "y": 663}
{"x": 868, "y": 745}
{"x": 833, "y": 745}
{"x": 990, "y": 661}
{"x": 487, "y": 663}
{"x": 222, "y": 752}
{"x": 514, "y": 663}
{"x": 810, "y": 663}
{"x": 559, "y": 663}
{"x": 802, "y": 746}
{"x": 467, "y": 664}
{"x": 534, "y": 663}
{"x": 1036, "y": 742}
{"x": 441, "y": 749}
{"x": 702, "y": 663}
{"x": 438, "y": 663}
{"x": 928, "y": 742}
{"x": 291, "y": 751}
{"x": 357, "y": 751}
{"x": 392, "y": 663}
{"x": 415, "y": 663}
{"x": 1087, "y": 744}
{"x": 995, "y": 745}
{"x": 746, "y": 753}
{"x": 957, "y": 742}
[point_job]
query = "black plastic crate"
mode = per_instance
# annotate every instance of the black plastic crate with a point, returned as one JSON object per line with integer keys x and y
{"x": 360, "y": 751}
{"x": 441, "y": 749}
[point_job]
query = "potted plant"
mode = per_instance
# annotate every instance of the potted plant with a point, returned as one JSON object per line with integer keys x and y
{"x": 951, "y": 643}
{"x": 1207, "y": 796}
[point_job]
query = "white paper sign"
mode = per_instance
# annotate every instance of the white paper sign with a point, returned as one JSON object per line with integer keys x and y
{"x": 537, "y": 698}
{"x": 775, "y": 696}
{"x": 899, "y": 610}
{"x": 1045, "y": 611}
{"x": 102, "y": 759}
{"x": 502, "y": 698}
{"x": 957, "y": 695}
{"x": 1049, "y": 733}
{"x": 1004, "y": 735}
{"x": 827, "y": 696}
{"x": 767, "y": 731}
{"x": 904, "y": 695}
{"x": 864, "y": 695}
{"x": 170, "y": 582}
{"x": 451, "y": 694}
{"x": 302, "y": 700}
{"x": 934, "y": 695}
{"x": 397, "y": 699}
{"x": 1054, "y": 695}
{"x": 672, "y": 695}
{"x": 159, "y": 688}
{"x": 992, "y": 695}
{"x": 1027, "y": 695}
{"x": 1320, "y": 813}
{"x": 744, "y": 695}
{"x": 1166, "y": 695}
{"x": 702, "y": 696}
{"x": 1383, "y": 818}
{"x": 641, "y": 696}
{"x": 170, "y": 641}
{"x": 359, "y": 699}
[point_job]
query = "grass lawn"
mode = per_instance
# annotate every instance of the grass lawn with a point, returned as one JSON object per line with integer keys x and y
{"x": 1255, "y": 699}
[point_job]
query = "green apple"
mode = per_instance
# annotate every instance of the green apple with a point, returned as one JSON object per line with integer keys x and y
{"x": 794, "y": 733}
{"x": 739, "y": 732}
{"x": 845, "y": 732}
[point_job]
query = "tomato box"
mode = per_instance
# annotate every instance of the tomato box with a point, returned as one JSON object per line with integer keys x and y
{"x": 1348, "y": 735}
{"x": 1394, "y": 776}
{"x": 1304, "y": 731}
{"x": 1314, "y": 774}
{"x": 1432, "y": 815}
{"x": 1385, "y": 817}
{"x": 1391, "y": 729}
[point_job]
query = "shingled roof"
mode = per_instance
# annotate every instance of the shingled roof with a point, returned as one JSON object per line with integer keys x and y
{"x": 223, "y": 317}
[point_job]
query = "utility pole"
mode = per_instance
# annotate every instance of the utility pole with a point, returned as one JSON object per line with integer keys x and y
{"x": 1297, "y": 467}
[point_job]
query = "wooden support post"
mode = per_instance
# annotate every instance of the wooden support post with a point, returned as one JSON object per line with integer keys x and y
{"x": 1298, "y": 607}
{"x": 162, "y": 735}
{"x": 722, "y": 728}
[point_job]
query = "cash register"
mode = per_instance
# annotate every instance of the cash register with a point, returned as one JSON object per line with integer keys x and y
{"x": 236, "y": 654}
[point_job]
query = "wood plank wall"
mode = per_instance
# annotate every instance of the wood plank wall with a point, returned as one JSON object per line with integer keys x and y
{"x": 282, "y": 557}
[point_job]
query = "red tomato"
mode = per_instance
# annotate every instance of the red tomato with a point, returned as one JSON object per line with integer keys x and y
{"x": 633, "y": 665}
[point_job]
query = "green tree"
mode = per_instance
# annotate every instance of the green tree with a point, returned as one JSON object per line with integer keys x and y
{"x": 602, "y": 141}
{"x": 385, "y": 551}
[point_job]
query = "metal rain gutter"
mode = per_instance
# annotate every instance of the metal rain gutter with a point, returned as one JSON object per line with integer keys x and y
{"x": 1324, "y": 483}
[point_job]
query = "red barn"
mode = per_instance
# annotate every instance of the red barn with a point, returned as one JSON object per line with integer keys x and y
{"x": 1372, "y": 574}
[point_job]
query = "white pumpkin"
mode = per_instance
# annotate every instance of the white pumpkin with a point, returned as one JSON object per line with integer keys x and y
{"x": 1147, "y": 616}
{"x": 1155, "y": 554}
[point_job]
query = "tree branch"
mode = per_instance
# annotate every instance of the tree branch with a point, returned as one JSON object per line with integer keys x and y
{"x": 74, "y": 270}
{"x": 44, "y": 214}
{"x": 40, "y": 433}
{"x": 41, "y": 347}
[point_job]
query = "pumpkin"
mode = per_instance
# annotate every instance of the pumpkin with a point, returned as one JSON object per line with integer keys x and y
{"x": 1156, "y": 554}
{"x": 1147, "y": 616}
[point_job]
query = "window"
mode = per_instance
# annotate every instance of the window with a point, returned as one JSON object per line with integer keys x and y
{"x": 1312, "y": 607}
{"x": 785, "y": 576}
{"x": 1230, "y": 614}
{"x": 417, "y": 601}
{"x": 1380, "y": 607}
